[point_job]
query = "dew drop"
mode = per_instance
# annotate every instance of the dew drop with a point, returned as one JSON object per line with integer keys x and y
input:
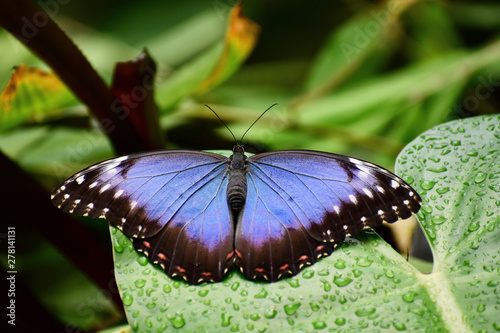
{"x": 409, "y": 297}
{"x": 254, "y": 317}
{"x": 341, "y": 281}
{"x": 437, "y": 169}
{"x": 226, "y": 319}
{"x": 326, "y": 285}
{"x": 294, "y": 283}
{"x": 409, "y": 179}
{"x": 399, "y": 326}
{"x": 142, "y": 260}
{"x": 365, "y": 312}
{"x": 127, "y": 299}
{"x": 480, "y": 177}
{"x": 363, "y": 262}
{"x": 319, "y": 324}
{"x": 442, "y": 190}
{"x": 140, "y": 283}
{"x": 177, "y": 320}
{"x": 356, "y": 272}
{"x": 261, "y": 294}
{"x": 270, "y": 313}
{"x": 235, "y": 286}
{"x": 481, "y": 307}
{"x": 290, "y": 309}
{"x": 340, "y": 264}
{"x": 438, "y": 219}
{"x": 473, "y": 226}
{"x": 427, "y": 184}
{"x": 167, "y": 288}
{"x": 314, "y": 306}
{"x": 118, "y": 248}
{"x": 203, "y": 293}
{"x": 389, "y": 273}
{"x": 340, "y": 321}
{"x": 308, "y": 274}
{"x": 492, "y": 283}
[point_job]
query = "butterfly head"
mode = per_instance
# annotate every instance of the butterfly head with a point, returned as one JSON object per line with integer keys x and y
{"x": 238, "y": 148}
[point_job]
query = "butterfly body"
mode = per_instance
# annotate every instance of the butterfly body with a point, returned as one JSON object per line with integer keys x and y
{"x": 237, "y": 183}
{"x": 197, "y": 214}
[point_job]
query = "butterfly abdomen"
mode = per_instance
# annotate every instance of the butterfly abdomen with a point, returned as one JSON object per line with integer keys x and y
{"x": 237, "y": 183}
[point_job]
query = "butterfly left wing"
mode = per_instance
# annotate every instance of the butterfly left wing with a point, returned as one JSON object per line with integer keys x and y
{"x": 301, "y": 203}
{"x": 172, "y": 203}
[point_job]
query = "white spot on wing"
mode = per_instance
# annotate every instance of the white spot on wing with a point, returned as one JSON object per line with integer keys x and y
{"x": 94, "y": 184}
{"x": 337, "y": 209}
{"x": 80, "y": 179}
{"x": 353, "y": 199}
{"x": 103, "y": 214}
{"x": 133, "y": 204}
{"x": 380, "y": 189}
{"x": 118, "y": 193}
{"x": 104, "y": 188}
{"x": 394, "y": 184}
{"x": 380, "y": 212}
{"x": 368, "y": 192}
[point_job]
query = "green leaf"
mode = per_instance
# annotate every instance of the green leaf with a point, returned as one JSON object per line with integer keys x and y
{"x": 455, "y": 168}
{"x": 33, "y": 95}
{"x": 214, "y": 65}
{"x": 364, "y": 284}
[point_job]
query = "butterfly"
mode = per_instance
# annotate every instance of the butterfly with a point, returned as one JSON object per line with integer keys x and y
{"x": 197, "y": 214}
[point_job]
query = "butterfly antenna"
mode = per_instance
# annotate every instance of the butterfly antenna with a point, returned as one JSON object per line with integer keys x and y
{"x": 223, "y": 123}
{"x": 263, "y": 113}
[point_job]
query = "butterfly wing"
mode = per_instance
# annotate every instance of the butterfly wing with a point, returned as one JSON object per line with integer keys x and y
{"x": 301, "y": 203}
{"x": 172, "y": 203}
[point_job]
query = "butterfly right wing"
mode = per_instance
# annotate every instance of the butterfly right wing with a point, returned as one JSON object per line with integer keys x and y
{"x": 172, "y": 203}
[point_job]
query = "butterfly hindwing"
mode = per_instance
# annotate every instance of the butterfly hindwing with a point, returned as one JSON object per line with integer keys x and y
{"x": 301, "y": 203}
{"x": 172, "y": 203}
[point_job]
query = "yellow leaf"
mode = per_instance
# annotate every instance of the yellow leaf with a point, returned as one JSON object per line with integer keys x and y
{"x": 32, "y": 94}
{"x": 241, "y": 37}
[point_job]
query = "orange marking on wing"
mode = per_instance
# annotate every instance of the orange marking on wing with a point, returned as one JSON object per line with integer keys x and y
{"x": 162, "y": 256}
{"x": 320, "y": 247}
{"x": 206, "y": 273}
{"x": 238, "y": 253}
{"x": 285, "y": 266}
{"x": 146, "y": 244}
{"x": 230, "y": 255}
{"x": 180, "y": 269}
{"x": 304, "y": 257}
{"x": 259, "y": 270}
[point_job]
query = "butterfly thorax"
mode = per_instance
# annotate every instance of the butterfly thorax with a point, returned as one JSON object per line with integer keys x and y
{"x": 237, "y": 183}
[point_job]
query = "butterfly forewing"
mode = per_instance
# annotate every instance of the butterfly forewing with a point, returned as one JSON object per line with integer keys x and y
{"x": 173, "y": 203}
{"x": 299, "y": 203}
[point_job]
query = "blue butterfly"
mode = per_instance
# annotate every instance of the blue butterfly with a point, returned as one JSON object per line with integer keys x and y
{"x": 197, "y": 214}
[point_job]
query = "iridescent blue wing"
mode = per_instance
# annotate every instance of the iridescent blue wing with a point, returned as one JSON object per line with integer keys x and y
{"x": 300, "y": 204}
{"x": 171, "y": 203}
